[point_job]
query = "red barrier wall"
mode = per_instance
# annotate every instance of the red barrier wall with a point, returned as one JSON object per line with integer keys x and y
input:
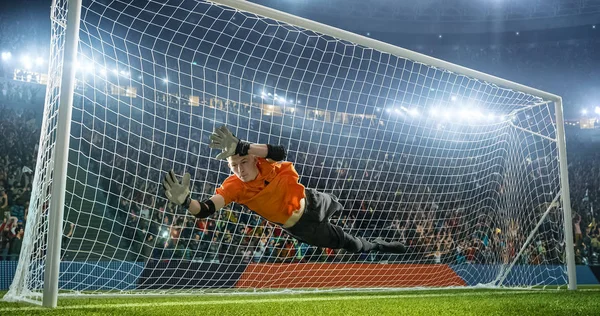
{"x": 351, "y": 275}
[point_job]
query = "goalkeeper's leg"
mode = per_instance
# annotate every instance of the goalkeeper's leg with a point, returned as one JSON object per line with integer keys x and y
{"x": 315, "y": 229}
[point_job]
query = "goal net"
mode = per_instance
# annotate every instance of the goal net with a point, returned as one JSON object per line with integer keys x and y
{"x": 462, "y": 167}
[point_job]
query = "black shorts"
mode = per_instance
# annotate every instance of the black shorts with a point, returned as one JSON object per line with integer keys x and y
{"x": 315, "y": 229}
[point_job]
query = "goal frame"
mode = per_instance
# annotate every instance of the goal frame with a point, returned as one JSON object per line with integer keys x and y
{"x": 61, "y": 152}
{"x": 50, "y": 291}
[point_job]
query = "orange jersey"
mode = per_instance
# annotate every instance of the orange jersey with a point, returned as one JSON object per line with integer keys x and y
{"x": 275, "y": 193}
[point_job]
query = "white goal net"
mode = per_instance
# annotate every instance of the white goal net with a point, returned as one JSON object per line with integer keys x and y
{"x": 463, "y": 170}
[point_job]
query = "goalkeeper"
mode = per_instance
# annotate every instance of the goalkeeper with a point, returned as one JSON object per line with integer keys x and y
{"x": 271, "y": 189}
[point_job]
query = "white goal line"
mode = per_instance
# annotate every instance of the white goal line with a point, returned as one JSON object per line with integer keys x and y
{"x": 276, "y": 300}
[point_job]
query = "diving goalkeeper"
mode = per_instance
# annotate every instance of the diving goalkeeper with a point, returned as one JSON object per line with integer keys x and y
{"x": 269, "y": 187}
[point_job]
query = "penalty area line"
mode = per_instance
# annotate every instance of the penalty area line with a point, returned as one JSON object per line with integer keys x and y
{"x": 264, "y": 300}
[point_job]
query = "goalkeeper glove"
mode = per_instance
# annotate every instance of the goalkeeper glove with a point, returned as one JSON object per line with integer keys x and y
{"x": 176, "y": 192}
{"x": 230, "y": 145}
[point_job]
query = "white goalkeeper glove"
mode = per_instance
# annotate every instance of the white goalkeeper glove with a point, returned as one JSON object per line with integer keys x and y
{"x": 230, "y": 145}
{"x": 177, "y": 192}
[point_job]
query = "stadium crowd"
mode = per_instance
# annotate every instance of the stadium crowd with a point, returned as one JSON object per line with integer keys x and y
{"x": 130, "y": 161}
{"x": 18, "y": 149}
{"x": 154, "y": 229}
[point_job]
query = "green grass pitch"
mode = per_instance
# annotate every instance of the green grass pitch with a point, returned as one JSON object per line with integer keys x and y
{"x": 585, "y": 301}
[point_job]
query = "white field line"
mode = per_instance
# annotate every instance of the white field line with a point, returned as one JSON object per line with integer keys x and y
{"x": 269, "y": 300}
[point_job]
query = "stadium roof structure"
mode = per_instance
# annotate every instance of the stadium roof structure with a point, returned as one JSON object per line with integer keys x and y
{"x": 444, "y": 16}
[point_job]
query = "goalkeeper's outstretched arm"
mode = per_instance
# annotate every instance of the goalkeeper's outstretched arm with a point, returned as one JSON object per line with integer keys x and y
{"x": 203, "y": 209}
{"x": 230, "y": 146}
{"x": 178, "y": 192}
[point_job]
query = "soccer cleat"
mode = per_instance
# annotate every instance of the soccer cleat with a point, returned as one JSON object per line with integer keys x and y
{"x": 390, "y": 247}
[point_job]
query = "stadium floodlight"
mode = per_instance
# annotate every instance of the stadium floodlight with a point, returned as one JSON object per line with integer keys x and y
{"x": 413, "y": 112}
{"x": 39, "y": 61}
{"x": 470, "y": 172}
{"x": 86, "y": 67}
{"x": 464, "y": 114}
{"x": 434, "y": 112}
{"x": 597, "y": 110}
{"x": 584, "y": 112}
{"x": 447, "y": 115}
{"x": 6, "y": 56}
{"x": 26, "y": 61}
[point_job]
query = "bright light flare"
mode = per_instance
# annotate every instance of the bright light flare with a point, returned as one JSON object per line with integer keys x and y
{"x": 6, "y": 56}
{"x": 434, "y": 112}
{"x": 84, "y": 67}
{"x": 26, "y": 61}
{"x": 446, "y": 115}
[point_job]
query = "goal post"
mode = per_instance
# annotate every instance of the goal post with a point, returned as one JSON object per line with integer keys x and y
{"x": 60, "y": 153}
{"x": 468, "y": 169}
